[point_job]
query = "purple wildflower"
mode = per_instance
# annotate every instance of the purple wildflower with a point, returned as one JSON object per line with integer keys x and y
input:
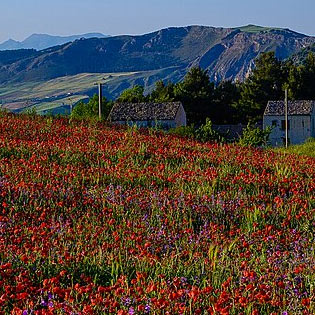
{"x": 147, "y": 309}
{"x": 43, "y": 303}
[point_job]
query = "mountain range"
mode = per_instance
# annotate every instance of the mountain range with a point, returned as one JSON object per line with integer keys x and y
{"x": 167, "y": 54}
{"x": 228, "y": 53}
{"x": 43, "y": 41}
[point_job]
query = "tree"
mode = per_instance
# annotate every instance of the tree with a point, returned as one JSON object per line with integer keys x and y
{"x": 293, "y": 75}
{"x": 307, "y": 75}
{"x": 225, "y": 94}
{"x": 132, "y": 95}
{"x": 162, "y": 93}
{"x": 90, "y": 109}
{"x": 196, "y": 93}
{"x": 264, "y": 83}
{"x": 206, "y": 133}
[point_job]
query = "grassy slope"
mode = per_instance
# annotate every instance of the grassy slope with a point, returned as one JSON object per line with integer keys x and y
{"x": 307, "y": 148}
{"x": 62, "y": 106}
{"x": 256, "y": 29}
{"x": 69, "y": 84}
{"x": 53, "y": 94}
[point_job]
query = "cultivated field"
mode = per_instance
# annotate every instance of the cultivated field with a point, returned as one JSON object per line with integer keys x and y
{"x": 45, "y": 96}
{"x": 56, "y": 95}
{"x": 100, "y": 220}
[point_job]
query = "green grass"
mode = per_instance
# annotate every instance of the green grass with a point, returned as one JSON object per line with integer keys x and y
{"x": 69, "y": 84}
{"x": 53, "y": 94}
{"x": 307, "y": 148}
{"x": 62, "y": 106}
{"x": 256, "y": 29}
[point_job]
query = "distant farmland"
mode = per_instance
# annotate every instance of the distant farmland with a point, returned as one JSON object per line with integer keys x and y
{"x": 56, "y": 95}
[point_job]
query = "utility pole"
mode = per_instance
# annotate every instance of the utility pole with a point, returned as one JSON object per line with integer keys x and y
{"x": 286, "y": 118}
{"x": 100, "y": 97}
{"x": 70, "y": 102}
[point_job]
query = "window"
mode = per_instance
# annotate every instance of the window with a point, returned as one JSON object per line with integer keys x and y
{"x": 283, "y": 124}
{"x": 274, "y": 123}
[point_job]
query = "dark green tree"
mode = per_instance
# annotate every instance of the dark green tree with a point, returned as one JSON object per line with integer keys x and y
{"x": 292, "y": 74}
{"x": 90, "y": 109}
{"x": 132, "y": 95}
{"x": 307, "y": 76}
{"x": 264, "y": 83}
{"x": 226, "y": 93}
{"x": 300, "y": 75}
{"x": 196, "y": 94}
{"x": 162, "y": 92}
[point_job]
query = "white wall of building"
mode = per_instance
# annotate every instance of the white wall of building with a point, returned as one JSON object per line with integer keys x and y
{"x": 313, "y": 124}
{"x": 180, "y": 119}
{"x": 301, "y": 128}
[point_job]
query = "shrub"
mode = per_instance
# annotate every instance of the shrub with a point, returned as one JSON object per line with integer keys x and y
{"x": 207, "y": 133}
{"x": 90, "y": 110}
{"x": 254, "y": 136}
{"x": 184, "y": 131}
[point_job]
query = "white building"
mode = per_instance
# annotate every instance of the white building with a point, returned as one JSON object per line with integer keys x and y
{"x": 301, "y": 121}
{"x": 164, "y": 115}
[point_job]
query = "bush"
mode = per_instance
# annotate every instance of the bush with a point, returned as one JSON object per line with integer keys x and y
{"x": 90, "y": 110}
{"x": 254, "y": 136}
{"x": 184, "y": 131}
{"x": 207, "y": 133}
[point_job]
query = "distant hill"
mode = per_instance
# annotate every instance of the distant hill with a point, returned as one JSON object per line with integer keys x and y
{"x": 43, "y": 41}
{"x": 228, "y": 53}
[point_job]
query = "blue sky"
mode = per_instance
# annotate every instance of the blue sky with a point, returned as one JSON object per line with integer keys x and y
{"x": 20, "y": 18}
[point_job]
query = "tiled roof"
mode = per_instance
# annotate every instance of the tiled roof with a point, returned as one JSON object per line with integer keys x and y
{"x": 276, "y": 108}
{"x": 144, "y": 111}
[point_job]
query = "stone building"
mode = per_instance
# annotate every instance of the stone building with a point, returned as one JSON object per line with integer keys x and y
{"x": 163, "y": 115}
{"x": 301, "y": 121}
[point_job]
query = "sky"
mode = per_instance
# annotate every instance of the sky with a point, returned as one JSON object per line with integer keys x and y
{"x": 21, "y": 18}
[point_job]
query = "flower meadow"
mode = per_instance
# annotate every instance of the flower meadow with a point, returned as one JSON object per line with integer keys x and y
{"x": 106, "y": 220}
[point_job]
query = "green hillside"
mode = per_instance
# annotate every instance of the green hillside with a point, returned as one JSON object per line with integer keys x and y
{"x": 256, "y": 28}
{"x": 56, "y": 95}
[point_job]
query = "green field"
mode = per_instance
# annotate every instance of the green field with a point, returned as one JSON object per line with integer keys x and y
{"x": 257, "y": 29}
{"x": 56, "y": 95}
{"x": 60, "y": 92}
{"x": 61, "y": 106}
{"x": 307, "y": 148}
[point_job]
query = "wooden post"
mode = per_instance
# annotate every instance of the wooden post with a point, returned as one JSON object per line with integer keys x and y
{"x": 286, "y": 118}
{"x": 70, "y": 103}
{"x": 100, "y": 96}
